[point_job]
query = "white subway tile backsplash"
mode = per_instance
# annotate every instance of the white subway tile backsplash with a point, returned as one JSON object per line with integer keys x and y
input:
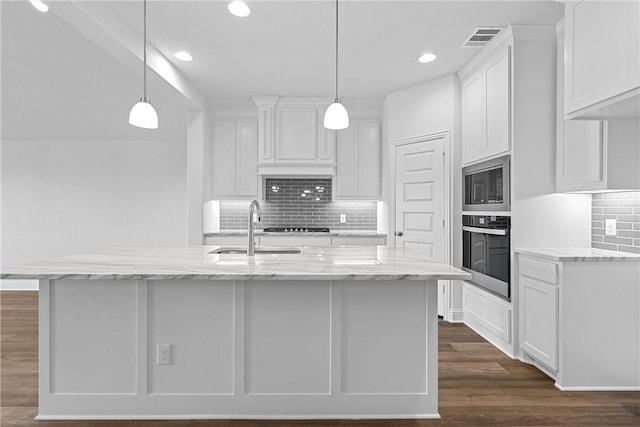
{"x": 624, "y": 207}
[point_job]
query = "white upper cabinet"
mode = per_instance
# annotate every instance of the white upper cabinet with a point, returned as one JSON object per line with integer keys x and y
{"x": 235, "y": 146}
{"x": 291, "y": 132}
{"x": 486, "y": 108}
{"x": 358, "y": 161}
{"x": 602, "y": 51}
{"x": 594, "y": 155}
{"x": 473, "y": 118}
{"x": 496, "y": 91}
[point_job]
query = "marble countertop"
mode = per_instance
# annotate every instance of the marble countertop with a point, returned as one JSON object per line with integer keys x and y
{"x": 578, "y": 254}
{"x": 196, "y": 263}
{"x": 340, "y": 233}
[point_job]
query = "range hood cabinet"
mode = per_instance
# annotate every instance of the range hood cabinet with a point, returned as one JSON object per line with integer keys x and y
{"x": 291, "y": 137}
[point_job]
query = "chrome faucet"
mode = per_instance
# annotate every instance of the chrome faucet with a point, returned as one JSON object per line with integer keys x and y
{"x": 251, "y": 244}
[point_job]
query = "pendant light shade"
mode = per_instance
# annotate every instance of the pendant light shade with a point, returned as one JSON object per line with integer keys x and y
{"x": 142, "y": 114}
{"x": 336, "y": 116}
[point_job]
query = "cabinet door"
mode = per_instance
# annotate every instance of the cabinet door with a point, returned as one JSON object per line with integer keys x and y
{"x": 539, "y": 320}
{"x": 497, "y": 84}
{"x": 224, "y": 158}
{"x": 473, "y": 134}
{"x": 580, "y": 155}
{"x": 602, "y": 44}
{"x": 296, "y": 135}
{"x": 368, "y": 160}
{"x": 347, "y": 162}
{"x": 246, "y": 168}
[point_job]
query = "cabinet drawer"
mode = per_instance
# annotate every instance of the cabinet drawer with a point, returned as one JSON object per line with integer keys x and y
{"x": 226, "y": 240}
{"x": 357, "y": 241}
{"x": 540, "y": 270}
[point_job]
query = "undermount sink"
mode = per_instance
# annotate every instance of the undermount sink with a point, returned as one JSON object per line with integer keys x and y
{"x": 264, "y": 251}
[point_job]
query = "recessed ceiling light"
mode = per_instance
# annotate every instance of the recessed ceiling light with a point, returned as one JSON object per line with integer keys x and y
{"x": 183, "y": 56}
{"x": 40, "y": 5}
{"x": 427, "y": 57}
{"x": 239, "y": 8}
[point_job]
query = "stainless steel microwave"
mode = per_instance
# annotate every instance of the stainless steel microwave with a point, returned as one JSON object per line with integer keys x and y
{"x": 486, "y": 185}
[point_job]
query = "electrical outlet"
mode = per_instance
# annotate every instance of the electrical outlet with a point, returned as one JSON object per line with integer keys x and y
{"x": 610, "y": 227}
{"x": 343, "y": 218}
{"x": 164, "y": 354}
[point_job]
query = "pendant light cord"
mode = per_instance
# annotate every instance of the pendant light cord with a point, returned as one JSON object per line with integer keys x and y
{"x": 336, "y": 49}
{"x": 145, "y": 49}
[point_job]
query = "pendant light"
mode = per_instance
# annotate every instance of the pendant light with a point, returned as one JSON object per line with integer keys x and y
{"x": 336, "y": 116}
{"x": 143, "y": 114}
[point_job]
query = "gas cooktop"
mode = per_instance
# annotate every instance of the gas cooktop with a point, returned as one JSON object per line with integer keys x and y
{"x": 296, "y": 229}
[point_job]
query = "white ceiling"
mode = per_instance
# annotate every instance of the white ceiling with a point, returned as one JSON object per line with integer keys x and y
{"x": 59, "y": 84}
{"x": 286, "y": 48}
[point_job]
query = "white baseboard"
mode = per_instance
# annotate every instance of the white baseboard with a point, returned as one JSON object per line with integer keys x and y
{"x": 456, "y": 315}
{"x": 506, "y": 348}
{"x": 239, "y": 417}
{"x": 603, "y": 388}
{"x": 19, "y": 285}
{"x": 526, "y": 358}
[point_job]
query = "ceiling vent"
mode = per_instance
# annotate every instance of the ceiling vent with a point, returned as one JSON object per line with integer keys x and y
{"x": 481, "y": 36}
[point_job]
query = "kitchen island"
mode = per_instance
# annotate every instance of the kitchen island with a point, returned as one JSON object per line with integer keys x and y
{"x": 167, "y": 333}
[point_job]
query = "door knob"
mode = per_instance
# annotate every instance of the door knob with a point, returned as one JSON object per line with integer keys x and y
{"x": 398, "y": 233}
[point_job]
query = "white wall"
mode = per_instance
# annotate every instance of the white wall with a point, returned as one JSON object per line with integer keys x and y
{"x": 68, "y": 197}
{"x": 76, "y": 176}
{"x": 541, "y": 217}
{"x": 424, "y": 109}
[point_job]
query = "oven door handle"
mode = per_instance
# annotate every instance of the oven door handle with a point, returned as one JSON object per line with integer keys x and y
{"x": 497, "y": 232}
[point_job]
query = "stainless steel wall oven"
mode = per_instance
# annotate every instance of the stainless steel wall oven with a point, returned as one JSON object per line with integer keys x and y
{"x": 486, "y": 245}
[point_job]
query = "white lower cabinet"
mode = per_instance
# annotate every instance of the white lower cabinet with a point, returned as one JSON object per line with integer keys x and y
{"x": 579, "y": 320}
{"x": 539, "y": 320}
{"x": 296, "y": 241}
{"x": 358, "y": 240}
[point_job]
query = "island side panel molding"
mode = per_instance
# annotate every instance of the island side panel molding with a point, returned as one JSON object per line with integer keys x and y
{"x": 92, "y": 337}
{"x": 196, "y": 318}
{"x": 384, "y": 331}
{"x": 307, "y": 383}
{"x": 287, "y": 337}
{"x": 142, "y": 328}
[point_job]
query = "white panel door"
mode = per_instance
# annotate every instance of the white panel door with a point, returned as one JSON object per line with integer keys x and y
{"x": 420, "y": 202}
{"x": 420, "y": 198}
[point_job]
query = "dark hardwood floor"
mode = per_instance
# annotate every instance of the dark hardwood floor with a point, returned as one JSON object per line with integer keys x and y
{"x": 479, "y": 386}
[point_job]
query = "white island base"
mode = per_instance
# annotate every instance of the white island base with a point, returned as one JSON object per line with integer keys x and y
{"x": 261, "y": 349}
